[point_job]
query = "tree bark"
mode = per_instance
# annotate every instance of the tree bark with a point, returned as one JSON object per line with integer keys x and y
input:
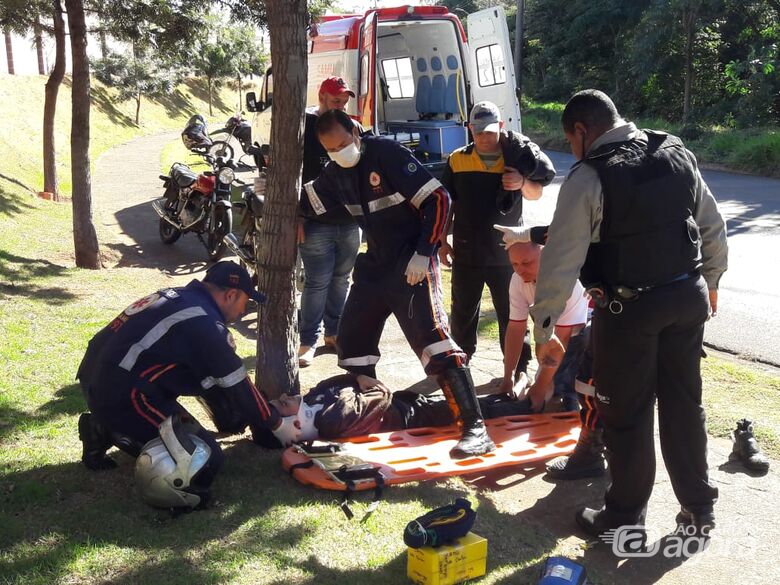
{"x": 138, "y": 108}
{"x": 50, "y": 103}
{"x": 39, "y": 48}
{"x": 277, "y": 325}
{"x": 84, "y": 236}
{"x": 211, "y": 113}
{"x": 103, "y": 43}
{"x": 9, "y": 51}
{"x": 689, "y": 21}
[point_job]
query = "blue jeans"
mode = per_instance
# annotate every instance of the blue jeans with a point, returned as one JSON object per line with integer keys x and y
{"x": 328, "y": 253}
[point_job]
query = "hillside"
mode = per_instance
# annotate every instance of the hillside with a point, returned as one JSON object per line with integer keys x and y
{"x": 21, "y": 107}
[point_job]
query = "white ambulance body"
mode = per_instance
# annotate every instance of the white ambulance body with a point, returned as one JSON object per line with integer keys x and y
{"x": 415, "y": 74}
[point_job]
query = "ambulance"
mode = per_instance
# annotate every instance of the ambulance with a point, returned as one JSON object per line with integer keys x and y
{"x": 415, "y": 72}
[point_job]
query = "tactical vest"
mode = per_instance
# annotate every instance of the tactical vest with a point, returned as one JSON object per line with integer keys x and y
{"x": 648, "y": 234}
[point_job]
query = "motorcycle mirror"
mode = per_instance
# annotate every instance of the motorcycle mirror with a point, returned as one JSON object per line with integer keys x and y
{"x": 251, "y": 101}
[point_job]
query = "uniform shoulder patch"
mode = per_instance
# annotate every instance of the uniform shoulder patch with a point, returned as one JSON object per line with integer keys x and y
{"x": 411, "y": 168}
{"x": 142, "y": 304}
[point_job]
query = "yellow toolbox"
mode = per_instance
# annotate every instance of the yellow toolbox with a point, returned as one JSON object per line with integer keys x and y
{"x": 465, "y": 558}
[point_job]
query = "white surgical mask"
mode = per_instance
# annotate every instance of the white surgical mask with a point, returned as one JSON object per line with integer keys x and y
{"x": 347, "y": 157}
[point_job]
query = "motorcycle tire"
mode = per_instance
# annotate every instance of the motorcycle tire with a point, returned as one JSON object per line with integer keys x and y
{"x": 221, "y": 225}
{"x": 220, "y": 148}
{"x": 168, "y": 233}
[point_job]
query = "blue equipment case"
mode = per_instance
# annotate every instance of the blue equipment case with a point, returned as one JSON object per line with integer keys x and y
{"x": 562, "y": 571}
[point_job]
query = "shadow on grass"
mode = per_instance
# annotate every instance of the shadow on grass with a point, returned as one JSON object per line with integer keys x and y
{"x": 66, "y": 400}
{"x": 11, "y": 204}
{"x": 18, "y": 275}
{"x": 104, "y": 102}
{"x": 176, "y": 104}
{"x": 200, "y": 90}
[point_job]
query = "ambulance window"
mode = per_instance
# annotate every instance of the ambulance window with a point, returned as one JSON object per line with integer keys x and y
{"x": 490, "y": 65}
{"x": 398, "y": 75}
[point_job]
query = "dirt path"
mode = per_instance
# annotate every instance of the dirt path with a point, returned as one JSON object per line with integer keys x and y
{"x": 744, "y": 546}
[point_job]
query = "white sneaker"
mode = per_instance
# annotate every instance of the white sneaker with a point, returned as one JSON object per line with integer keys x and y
{"x": 305, "y": 356}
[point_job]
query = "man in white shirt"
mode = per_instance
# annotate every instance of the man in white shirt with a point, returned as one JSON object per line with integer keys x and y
{"x": 524, "y": 257}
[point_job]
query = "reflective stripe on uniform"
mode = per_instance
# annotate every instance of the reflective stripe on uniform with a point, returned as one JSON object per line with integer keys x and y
{"x": 436, "y": 348}
{"x": 424, "y": 191}
{"x": 231, "y": 379}
{"x": 354, "y": 209}
{"x": 155, "y": 333}
{"x": 385, "y": 202}
{"x": 584, "y": 388}
{"x": 364, "y": 360}
{"x": 314, "y": 199}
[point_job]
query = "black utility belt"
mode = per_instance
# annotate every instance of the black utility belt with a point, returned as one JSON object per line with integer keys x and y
{"x": 613, "y": 297}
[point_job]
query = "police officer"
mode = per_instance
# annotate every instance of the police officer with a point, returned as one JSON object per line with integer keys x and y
{"x": 639, "y": 225}
{"x": 328, "y": 242}
{"x": 403, "y": 211}
{"x": 170, "y": 343}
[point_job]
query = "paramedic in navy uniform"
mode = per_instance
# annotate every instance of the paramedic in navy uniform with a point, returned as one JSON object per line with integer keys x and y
{"x": 403, "y": 211}
{"x": 170, "y": 343}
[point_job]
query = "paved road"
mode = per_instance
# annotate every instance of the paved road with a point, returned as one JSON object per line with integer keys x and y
{"x": 748, "y": 321}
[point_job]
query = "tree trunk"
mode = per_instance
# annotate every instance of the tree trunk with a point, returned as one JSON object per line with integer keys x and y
{"x": 103, "y": 42}
{"x": 138, "y": 108}
{"x": 9, "y": 51}
{"x": 689, "y": 21}
{"x": 39, "y": 48}
{"x": 50, "y": 103}
{"x": 277, "y": 324}
{"x": 84, "y": 236}
{"x": 211, "y": 113}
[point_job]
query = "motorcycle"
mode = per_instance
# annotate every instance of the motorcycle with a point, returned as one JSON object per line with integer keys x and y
{"x": 243, "y": 243}
{"x": 240, "y": 129}
{"x": 197, "y": 203}
{"x": 196, "y": 138}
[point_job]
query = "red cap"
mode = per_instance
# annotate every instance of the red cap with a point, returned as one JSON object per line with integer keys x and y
{"x": 336, "y": 86}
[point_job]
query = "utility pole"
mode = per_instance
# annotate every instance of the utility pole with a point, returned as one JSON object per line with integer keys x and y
{"x": 519, "y": 49}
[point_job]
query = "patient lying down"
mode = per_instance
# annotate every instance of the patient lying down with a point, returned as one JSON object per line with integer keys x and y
{"x": 352, "y": 405}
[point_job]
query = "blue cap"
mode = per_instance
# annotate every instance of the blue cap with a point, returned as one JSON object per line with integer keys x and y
{"x": 228, "y": 274}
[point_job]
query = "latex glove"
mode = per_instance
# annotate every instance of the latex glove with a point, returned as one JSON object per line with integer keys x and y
{"x": 446, "y": 255}
{"x": 514, "y": 234}
{"x": 417, "y": 268}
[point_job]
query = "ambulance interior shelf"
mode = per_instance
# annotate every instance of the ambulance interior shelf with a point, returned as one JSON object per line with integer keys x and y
{"x": 435, "y": 137}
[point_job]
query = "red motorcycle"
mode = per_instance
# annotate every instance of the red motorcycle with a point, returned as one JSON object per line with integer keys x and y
{"x": 197, "y": 203}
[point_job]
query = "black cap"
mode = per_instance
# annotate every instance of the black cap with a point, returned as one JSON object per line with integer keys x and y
{"x": 228, "y": 274}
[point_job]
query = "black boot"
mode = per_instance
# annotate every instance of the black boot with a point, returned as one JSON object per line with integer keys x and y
{"x": 95, "y": 441}
{"x": 703, "y": 522}
{"x": 458, "y": 387}
{"x": 587, "y": 459}
{"x": 746, "y": 448}
{"x": 597, "y": 522}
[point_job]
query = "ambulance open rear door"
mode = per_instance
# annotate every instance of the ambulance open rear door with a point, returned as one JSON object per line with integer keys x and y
{"x": 366, "y": 98}
{"x": 491, "y": 64}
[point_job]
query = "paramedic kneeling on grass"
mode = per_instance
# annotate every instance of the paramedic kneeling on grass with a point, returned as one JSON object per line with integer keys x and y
{"x": 170, "y": 343}
{"x": 403, "y": 211}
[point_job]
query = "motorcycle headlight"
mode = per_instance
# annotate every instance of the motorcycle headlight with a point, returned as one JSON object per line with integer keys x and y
{"x": 226, "y": 175}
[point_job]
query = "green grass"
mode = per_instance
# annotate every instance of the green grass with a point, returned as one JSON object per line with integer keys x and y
{"x": 112, "y": 123}
{"x": 752, "y": 150}
{"x": 60, "y": 523}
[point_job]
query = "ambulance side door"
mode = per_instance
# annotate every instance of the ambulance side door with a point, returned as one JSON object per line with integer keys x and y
{"x": 492, "y": 75}
{"x": 366, "y": 99}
